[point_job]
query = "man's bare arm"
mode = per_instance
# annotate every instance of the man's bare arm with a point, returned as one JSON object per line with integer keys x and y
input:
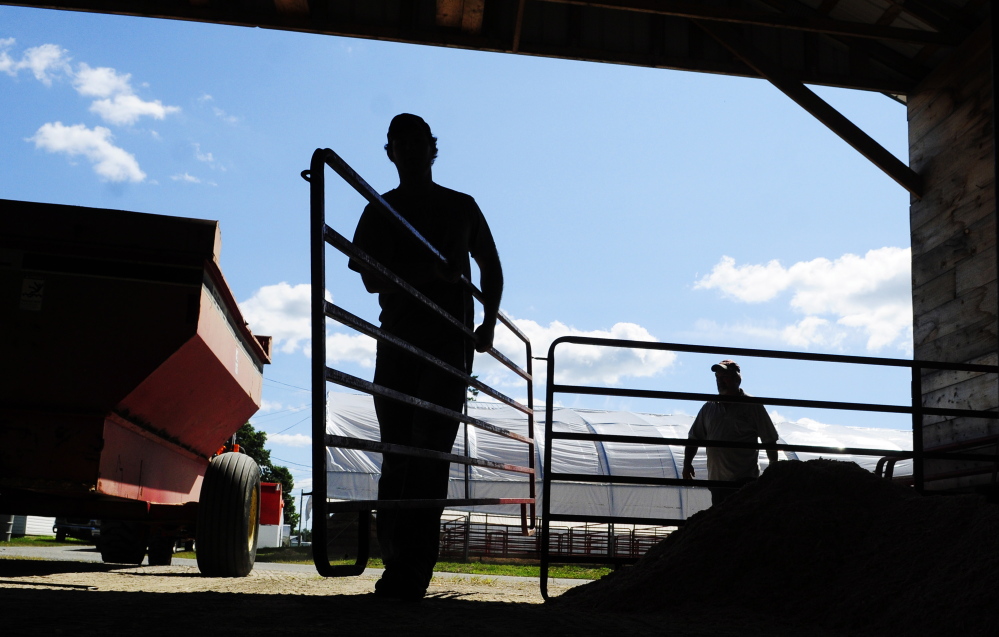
{"x": 491, "y": 283}
{"x": 772, "y": 456}
{"x": 688, "y": 462}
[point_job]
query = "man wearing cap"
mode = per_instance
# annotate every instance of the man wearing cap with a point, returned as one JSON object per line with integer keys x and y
{"x": 730, "y": 422}
{"x": 454, "y": 225}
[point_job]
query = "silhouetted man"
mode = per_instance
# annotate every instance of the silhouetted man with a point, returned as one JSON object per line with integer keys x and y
{"x": 730, "y": 422}
{"x": 452, "y": 223}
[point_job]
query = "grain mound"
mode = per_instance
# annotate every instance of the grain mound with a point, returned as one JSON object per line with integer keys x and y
{"x": 823, "y": 543}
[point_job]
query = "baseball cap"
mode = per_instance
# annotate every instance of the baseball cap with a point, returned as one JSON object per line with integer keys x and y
{"x": 726, "y": 365}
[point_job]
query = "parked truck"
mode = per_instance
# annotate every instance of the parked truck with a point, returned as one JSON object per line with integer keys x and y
{"x": 127, "y": 370}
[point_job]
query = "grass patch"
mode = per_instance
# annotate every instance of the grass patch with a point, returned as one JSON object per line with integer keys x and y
{"x": 564, "y": 571}
{"x": 44, "y": 540}
{"x": 303, "y": 555}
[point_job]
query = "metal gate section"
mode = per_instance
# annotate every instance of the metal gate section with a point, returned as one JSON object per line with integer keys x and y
{"x": 321, "y": 235}
{"x": 969, "y": 451}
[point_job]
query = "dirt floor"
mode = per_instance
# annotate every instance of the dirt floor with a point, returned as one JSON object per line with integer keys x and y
{"x": 76, "y": 598}
{"x": 812, "y": 549}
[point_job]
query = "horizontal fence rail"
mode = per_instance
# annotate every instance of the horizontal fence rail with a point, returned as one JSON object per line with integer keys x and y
{"x": 322, "y": 235}
{"x": 887, "y": 457}
{"x": 463, "y": 539}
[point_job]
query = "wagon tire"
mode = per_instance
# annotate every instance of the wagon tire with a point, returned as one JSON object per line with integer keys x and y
{"x": 228, "y": 516}
{"x": 122, "y": 542}
{"x": 60, "y": 536}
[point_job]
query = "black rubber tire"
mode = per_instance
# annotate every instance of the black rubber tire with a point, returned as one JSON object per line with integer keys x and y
{"x": 161, "y": 551}
{"x": 122, "y": 542}
{"x": 228, "y": 516}
{"x": 60, "y": 536}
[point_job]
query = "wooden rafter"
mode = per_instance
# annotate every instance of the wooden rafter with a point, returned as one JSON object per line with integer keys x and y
{"x": 875, "y": 50}
{"x": 819, "y": 108}
{"x": 814, "y": 24}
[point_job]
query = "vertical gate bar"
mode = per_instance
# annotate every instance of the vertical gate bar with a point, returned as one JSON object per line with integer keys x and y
{"x": 917, "y": 427}
{"x": 532, "y": 488}
{"x": 317, "y": 242}
{"x": 468, "y": 468}
{"x": 995, "y": 183}
{"x": 546, "y": 484}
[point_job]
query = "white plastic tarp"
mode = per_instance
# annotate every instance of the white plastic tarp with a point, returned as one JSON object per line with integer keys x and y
{"x": 353, "y": 475}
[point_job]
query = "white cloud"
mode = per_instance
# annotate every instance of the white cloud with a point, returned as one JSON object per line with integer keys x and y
{"x": 749, "y": 283}
{"x": 191, "y": 179}
{"x": 200, "y": 156}
{"x": 577, "y": 364}
{"x": 225, "y": 117}
{"x": 45, "y": 62}
{"x": 350, "y": 348}
{"x": 868, "y": 295}
{"x": 101, "y": 81}
{"x": 806, "y": 431}
{"x": 813, "y": 330}
{"x": 221, "y": 114}
{"x": 6, "y": 62}
{"x": 110, "y": 162}
{"x": 125, "y": 110}
{"x": 118, "y": 103}
{"x": 305, "y": 482}
{"x": 283, "y": 312}
{"x": 290, "y": 440}
{"x": 269, "y": 405}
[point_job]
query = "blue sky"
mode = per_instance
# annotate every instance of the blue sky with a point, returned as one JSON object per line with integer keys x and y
{"x": 625, "y": 202}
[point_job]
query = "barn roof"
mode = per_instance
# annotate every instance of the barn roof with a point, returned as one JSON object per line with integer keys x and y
{"x": 880, "y": 45}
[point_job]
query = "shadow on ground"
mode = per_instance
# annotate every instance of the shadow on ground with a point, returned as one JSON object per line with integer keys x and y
{"x": 80, "y": 612}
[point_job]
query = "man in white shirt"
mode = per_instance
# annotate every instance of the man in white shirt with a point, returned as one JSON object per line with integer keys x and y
{"x": 730, "y": 422}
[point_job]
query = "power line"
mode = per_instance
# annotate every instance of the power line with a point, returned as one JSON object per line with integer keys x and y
{"x": 281, "y": 411}
{"x": 290, "y": 462}
{"x": 271, "y": 380}
{"x": 297, "y": 423}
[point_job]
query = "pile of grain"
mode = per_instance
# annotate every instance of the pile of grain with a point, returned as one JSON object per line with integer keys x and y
{"x": 823, "y": 543}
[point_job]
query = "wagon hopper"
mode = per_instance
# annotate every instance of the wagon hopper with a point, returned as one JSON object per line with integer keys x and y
{"x": 129, "y": 368}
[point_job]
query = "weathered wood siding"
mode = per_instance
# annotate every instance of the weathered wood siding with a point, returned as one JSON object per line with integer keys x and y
{"x": 953, "y": 231}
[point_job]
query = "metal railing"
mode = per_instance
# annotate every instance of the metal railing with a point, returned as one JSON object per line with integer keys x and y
{"x": 463, "y": 539}
{"x": 916, "y": 409}
{"x": 321, "y": 236}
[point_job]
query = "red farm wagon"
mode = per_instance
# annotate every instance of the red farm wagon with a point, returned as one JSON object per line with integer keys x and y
{"x": 127, "y": 370}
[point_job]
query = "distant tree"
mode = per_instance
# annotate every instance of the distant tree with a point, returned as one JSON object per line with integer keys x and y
{"x": 473, "y": 392}
{"x": 252, "y": 443}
